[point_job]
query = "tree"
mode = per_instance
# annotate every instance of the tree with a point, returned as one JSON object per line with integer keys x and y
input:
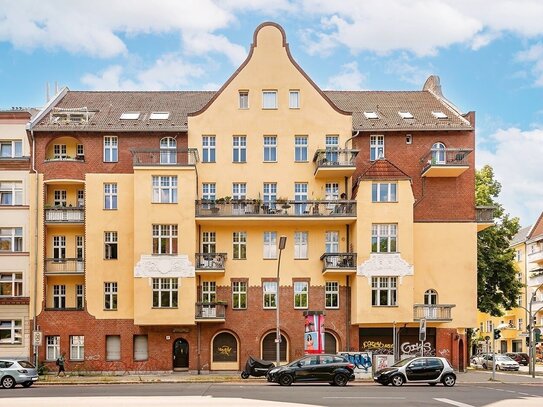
{"x": 497, "y": 285}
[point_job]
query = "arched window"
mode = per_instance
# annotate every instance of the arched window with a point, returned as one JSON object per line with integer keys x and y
{"x": 269, "y": 351}
{"x": 225, "y": 348}
{"x": 330, "y": 343}
{"x": 168, "y": 150}
{"x": 430, "y": 304}
{"x": 438, "y": 153}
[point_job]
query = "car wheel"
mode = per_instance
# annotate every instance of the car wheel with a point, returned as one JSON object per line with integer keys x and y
{"x": 244, "y": 375}
{"x": 285, "y": 380}
{"x": 498, "y": 367}
{"x": 485, "y": 366}
{"x": 449, "y": 380}
{"x": 397, "y": 380}
{"x": 27, "y": 384}
{"x": 340, "y": 379}
{"x": 8, "y": 382}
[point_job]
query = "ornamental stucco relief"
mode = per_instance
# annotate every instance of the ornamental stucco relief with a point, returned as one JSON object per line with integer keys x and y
{"x": 164, "y": 266}
{"x": 385, "y": 265}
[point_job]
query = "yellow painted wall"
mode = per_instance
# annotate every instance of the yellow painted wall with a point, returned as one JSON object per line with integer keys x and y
{"x": 70, "y": 282}
{"x": 71, "y": 146}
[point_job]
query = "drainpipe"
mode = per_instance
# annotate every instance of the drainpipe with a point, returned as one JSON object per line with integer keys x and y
{"x": 35, "y": 305}
{"x": 348, "y": 317}
{"x": 349, "y": 139}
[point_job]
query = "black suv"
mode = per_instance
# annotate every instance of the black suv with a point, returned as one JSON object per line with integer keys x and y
{"x": 519, "y": 357}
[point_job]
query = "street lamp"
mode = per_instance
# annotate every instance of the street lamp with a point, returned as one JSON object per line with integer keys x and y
{"x": 282, "y": 244}
{"x": 530, "y": 328}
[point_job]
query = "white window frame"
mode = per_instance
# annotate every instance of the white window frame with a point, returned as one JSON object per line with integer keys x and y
{"x": 165, "y": 234}
{"x": 113, "y": 347}
{"x": 60, "y": 197}
{"x": 384, "y": 284}
{"x": 110, "y": 242}
{"x": 81, "y": 197}
{"x": 439, "y": 155}
{"x": 239, "y": 295}
{"x": 377, "y": 147}
{"x": 209, "y": 291}
{"x": 239, "y": 193}
{"x": 300, "y": 149}
{"x": 294, "y": 99}
{"x": 168, "y": 286}
{"x": 243, "y": 99}
{"x": 270, "y": 149}
{"x": 110, "y": 196}
{"x": 269, "y": 194}
{"x": 300, "y": 195}
{"x": 77, "y": 347}
{"x": 388, "y": 189}
{"x": 59, "y": 247}
{"x": 59, "y": 152}
{"x": 301, "y": 294}
{"x": 209, "y": 144}
{"x": 331, "y": 144}
{"x": 331, "y": 295}
{"x": 110, "y": 295}
{"x": 11, "y": 193}
{"x": 269, "y": 99}
{"x": 331, "y": 241}
{"x": 12, "y": 283}
{"x": 270, "y": 245}
{"x": 269, "y": 294}
{"x": 52, "y": 350}
{"x": 239, "y": 245}
{"x": 11, "y": 148}
{"x": 209, "y": 242}
{"x": 111, "y": 149}
{"x": 59, "y": 296}
{"x": 11, "y": 239}
{"x": 209, "y": 191}
{"x": 168, "y": 150}
{"x": 79, "y": 296}
{"x": 164, "y": 189}
{"x": 239, "y": 149}
{"x": 384, "y": 232}
{"x": 301, "y": 245}
{"x": 15, "y": 329}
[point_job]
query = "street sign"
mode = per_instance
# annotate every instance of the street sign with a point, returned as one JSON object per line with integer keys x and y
{"x": 422, "y": 330}
{"x": 37, "y": 336}
{"x": 524, "y": 334}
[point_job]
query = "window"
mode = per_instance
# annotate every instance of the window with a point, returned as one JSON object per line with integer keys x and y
{"x": 269, "y": 288}
{"x": 239, "y": 149}
{"x": 110, "y": 245}
{"x": 11, "y": 284}
{"x": 377, "y": 147}
{"x": 110, "y": 196}
{"x": 141, "y": 347}
{"x": 165, "y": 292}
{"x": 300, "y": 245}
{"x": 270, "y": 148}
{"x": 300, "y": 148}
{"x": 59, "y": 152}
{"x": 53, "y": 347}
{"x": 439, "y": 115}
{"x": 519, "y": 255}
{"x": 294, "y": 99}
{"x": 208, "y": 149}
{"x": 209, "y": 242}
{"x": 168, "y": 150}
{"x": 79, "y": 247}
{"x": 270, "y": 194}
{"x": 331, "y": 242}
{"x": 383, "y": 238}
{"x": 11, "y": 148}
{"x": 59, "y": 296}
{"x": 130, "y": 116}
{"x": 331, "y": 191}
{"x": 438, "y": 153}
{"x": 489, "y": 326}
{"x": 332, "y": 147}
{"x": 383, "y": 192}
{"x": 239, "y": 193}
{"x": 240, "y": 245}
{"x": 430, "y": 297}
{"x": 59, "y": 247}
{"x": 59, "y": 198}
{"x": 11, "y": 239}
{"x": 208, "y": 192}
{"x": 244, "y": 99}
{"x": 159, "y": 116}
{"x": 80, "y": 197}
{"x": 301, "y": 293}
{"x": 520, "y": 324}
{"x": 11, "y": 193}
{"x": 209, "y": 291}
{"x": 405, "y": 115}
{"x": 77, "y": 347}
{"x": 80, "y": 152}
{"x": 110, "y": 296}
{"x": 383, "y": 291}
{"x": 164, "y": 189}
{"x": 270, "y": 245}
{"x": 371, "y": 115}
{"x": 113, "y": 347}
{"x": 11, "y": 332}
{"x": 111, "y": 149}
{"x": 300, "y": 195}
{"x": 269, "y": 99}
{"x": 239, "y": 294}
{"x": 331, "y": 294}
{"x": 79, "y": 296}
{"x": 225, "y": 340}
{"x": 164, "y": 239}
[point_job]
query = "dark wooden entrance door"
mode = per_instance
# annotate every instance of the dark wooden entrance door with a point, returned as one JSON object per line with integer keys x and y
{"x": 180, "y": 354}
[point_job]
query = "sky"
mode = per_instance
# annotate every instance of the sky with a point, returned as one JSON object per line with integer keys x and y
{"x": 488, "y": 54}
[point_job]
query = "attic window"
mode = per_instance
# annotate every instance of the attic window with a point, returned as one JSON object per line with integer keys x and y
{"x": 159, "y": 116}
{"x": 371, "y": 115}
{"x": 439, "y": 115}
{"x": 405, "y": 115}
{"x": 130, "y": 116}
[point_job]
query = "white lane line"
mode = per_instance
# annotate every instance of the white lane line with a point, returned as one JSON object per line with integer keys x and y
{"x": 454, "y": 403}
{"x": 510, "y": 391}
{"x": 368, "y": 397}
{"x": 524, "y": 394}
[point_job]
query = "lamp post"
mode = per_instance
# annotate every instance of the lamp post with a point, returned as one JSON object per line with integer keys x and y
{"x": 282, "y": 244}
{"x": 530, "y": 328}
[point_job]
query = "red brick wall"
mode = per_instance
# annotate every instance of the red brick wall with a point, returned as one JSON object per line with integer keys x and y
{"x": 448, "y": 345}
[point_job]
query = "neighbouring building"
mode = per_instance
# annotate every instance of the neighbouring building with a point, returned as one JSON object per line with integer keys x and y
{"x": 160, "y": 217}
{"x": 15, "y": 222}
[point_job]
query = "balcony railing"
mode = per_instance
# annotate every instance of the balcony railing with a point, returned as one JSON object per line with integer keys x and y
{"x": 210, "y": 261}
{"x": 164, "y": 157}
{"x": 439, "y": 312}
{"x": 210, "y": 311}
{"x": 64, "y": 266}
{"x": 335, "y": 158}
{"x": 65, "y": 215}
{"x": 338, "y": 261}
{"x": 252, "y": 208}
{"x": 451, "y": 158}
{"x": 484, "y": 214}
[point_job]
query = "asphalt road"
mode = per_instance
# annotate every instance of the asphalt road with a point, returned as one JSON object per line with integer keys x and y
{"x": 263, "y": 394}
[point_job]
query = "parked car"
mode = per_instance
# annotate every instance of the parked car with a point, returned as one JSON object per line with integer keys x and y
{"x": 17, "y": 371}
{"x": 502, "y": 363}
{"x": 431, "y": 370}
{"x": 519, "y": 357}
{"x": 477, "y": 360}
{"x": 334, "y": 369}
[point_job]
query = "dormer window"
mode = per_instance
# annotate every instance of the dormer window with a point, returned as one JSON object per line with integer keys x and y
{"x": 405, "y": 115}
{"x": 130, "y": 116}
{"x": 439, "y": 115}
{"x": 371, "y": 115}
{"x": 159, "y": 116}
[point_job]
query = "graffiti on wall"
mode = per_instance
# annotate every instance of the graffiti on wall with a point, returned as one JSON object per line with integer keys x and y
{"x": 378, "y": 347}
{"x": 362, "y": 360}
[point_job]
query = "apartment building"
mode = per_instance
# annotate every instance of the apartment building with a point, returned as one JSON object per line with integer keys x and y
{"x": 15, "y": 234}
{"x": 161, "y": 217}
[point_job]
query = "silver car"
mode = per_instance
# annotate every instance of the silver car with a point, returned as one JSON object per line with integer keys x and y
{"x": 17, "y": 371}
{"x": 502, "y": 363}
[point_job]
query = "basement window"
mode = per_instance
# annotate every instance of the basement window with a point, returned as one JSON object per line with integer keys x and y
{"x": 130, "y": 116}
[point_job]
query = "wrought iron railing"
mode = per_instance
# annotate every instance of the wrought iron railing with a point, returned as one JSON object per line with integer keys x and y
{"x": 446, "y": 157}
{"x": 210, "y": 261}
{"x": 65, "y": 215}
{"x": 338, "y": 261}
{"x": 438, "y": 312}
{"x": 72, "y": 265}
{"x": 335, "y": 158}
{"x": 210, "y": 310}
{"x": 251, "y": 208}
{"x": 164, "y": 157}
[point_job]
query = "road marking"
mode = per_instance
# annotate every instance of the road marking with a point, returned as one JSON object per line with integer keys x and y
{"x": 454, "y": 403}
{"x": 367, "y": 397}
{"x": 524, "y": 394}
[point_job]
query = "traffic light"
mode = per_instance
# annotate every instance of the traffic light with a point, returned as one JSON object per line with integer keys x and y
{"x": 497, "y": 334}
{"x": 537, "y": 335}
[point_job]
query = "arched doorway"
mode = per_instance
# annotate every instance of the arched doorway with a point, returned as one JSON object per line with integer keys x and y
{"x": 330, "y": 343}
{"x": 269, "y": 350}
{"x": 461, "y": 360}
{"x": 224, "y": 352}
{"x": 180, "y": 354}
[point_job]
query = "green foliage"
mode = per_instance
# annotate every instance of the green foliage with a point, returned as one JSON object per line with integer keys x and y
{"x": 497, "y": 285}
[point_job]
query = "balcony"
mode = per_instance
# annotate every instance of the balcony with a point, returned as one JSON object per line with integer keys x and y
{"x": 65, "y": 215}
{"x": 155, "y": 157}
{"x": 334, "y": 163}
{"x": 484, "y": 216}
{"x": 284, "y": 209}
{"x": 440, "y": 312}
{"x": 338, "y": 263}
{"x": 445, "y": 162}
{"x": 64, "y": 267}
{"x": 210, "y": 312}
{"x": 536, "y": 257}
{"x": 210, "y": 262}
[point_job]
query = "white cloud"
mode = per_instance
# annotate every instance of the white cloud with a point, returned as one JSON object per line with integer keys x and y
{"x": 348, "y": 78}
{"x": 516, "y": 159}
{"x": 202, "y": 43}
{"x": 406, "y": 71}
{"x": 169, "y": 72}
{"x": 534, "y": 55}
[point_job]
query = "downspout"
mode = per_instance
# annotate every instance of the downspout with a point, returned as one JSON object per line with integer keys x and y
{"x": 35, "y": 305}
{"x": 349, "y": 139}
{"x": 348, "y": 313}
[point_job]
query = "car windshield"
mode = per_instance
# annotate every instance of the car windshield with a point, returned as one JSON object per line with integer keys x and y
{"x": 504, "y": 358}
{"x": 402, "y": 362}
